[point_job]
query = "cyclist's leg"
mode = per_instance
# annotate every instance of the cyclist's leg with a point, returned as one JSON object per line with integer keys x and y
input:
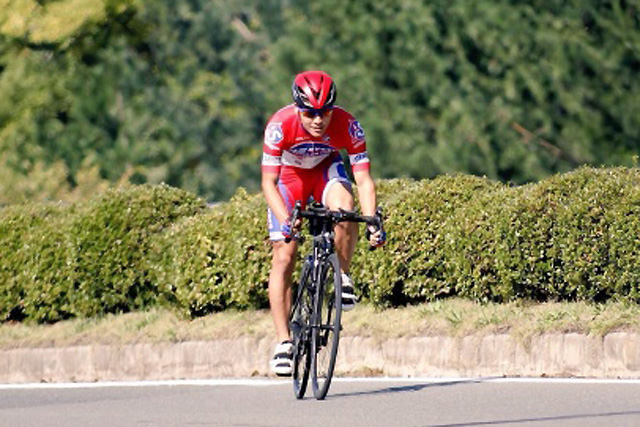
{"x": 282, "y": 265}
{"x": 293, "y": 186}
{"x": 280, "y": 301}
{"x": 336, "y": 194}
{"x": 339, "y": 197}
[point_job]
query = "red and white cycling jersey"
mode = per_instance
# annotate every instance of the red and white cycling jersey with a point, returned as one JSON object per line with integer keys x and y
{"x": 288, "y": 144}
{"x": 309, "y": 166}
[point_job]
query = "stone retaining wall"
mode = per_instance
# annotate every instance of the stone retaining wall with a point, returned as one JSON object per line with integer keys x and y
{"x": 617, "y": 355}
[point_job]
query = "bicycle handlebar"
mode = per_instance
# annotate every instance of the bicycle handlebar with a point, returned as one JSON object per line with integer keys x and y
{"x": 318, "y": 211}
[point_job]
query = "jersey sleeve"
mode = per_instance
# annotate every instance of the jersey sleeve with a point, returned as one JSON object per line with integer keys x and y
{"x": 357, "y": 147}
{"x": 272, "y": 147}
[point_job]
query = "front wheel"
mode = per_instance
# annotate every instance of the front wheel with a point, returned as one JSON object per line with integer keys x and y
{"x": 326, "y": 326}
{"x": 300, "y": 325}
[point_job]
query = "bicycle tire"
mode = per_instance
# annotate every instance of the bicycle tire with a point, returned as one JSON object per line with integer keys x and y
{"x": 326, "y": 327}
{"x": 300, "y": 325}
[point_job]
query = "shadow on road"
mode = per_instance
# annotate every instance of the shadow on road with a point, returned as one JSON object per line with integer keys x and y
{"x": 541, "y": 419}
{"x": 411, "y": 387}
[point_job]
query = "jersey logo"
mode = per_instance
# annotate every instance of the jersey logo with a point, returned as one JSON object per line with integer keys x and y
{"x": 273, "y": 134}
{"x": 359, "y": 158}
{"x": 311, "y": 150}
{"x": 269, "y": 160}
{"x": 355, "y": 130}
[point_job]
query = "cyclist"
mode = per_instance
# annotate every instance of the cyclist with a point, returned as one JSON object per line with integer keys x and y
{"x": 301, "y": 160}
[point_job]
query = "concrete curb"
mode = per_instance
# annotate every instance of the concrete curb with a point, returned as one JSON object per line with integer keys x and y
{"x": 617, "y": 355}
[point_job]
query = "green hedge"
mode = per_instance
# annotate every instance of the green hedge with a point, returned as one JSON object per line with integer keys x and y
{"x": 31, "y": 254}
{"x": 85, "y": 259}
{"x": 571, "y": 237}
{"x": 574, "y": 236}
{"x": 216, "y": 260}
{"x": 413, "y": 265}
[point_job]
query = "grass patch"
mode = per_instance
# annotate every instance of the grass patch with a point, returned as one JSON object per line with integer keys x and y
{"x": 154, "y": 326}
{"x": 451, "y": 317}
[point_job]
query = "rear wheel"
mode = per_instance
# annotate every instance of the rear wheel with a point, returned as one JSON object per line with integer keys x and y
{"x": 300, "y": 324}
{"x": 326, "y": 330}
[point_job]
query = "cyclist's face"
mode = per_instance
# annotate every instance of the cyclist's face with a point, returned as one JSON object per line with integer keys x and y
{"x": 315, "y": 122}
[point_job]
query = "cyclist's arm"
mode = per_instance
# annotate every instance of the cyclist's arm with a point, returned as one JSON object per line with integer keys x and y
{"x": 273, "y": 197}
{"x": 368, "y": 205}
{"x": 366, "y": 191}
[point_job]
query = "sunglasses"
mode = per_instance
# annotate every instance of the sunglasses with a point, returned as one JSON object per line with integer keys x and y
{"x": 311, "y": 113}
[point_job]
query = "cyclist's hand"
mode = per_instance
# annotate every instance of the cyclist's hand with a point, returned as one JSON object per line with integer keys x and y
{"x": 289, "y": 231}
{"x": 375, "y": 232}
{"x": 377, "y": 236}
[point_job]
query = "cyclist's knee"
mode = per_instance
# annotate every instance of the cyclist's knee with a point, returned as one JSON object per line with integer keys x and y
{"x": 349, "y": 228}
{"x": 284, "y": 255}
{"x": 339, "y": 197}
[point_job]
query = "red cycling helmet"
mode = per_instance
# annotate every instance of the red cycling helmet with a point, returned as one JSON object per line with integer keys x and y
{"x": 314, "y": 90}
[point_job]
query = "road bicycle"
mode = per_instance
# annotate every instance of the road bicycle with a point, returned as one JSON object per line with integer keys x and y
{"x": 317, "y": 307}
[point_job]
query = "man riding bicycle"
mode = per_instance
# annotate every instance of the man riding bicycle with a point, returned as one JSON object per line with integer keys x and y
{"x": 301, "y": 160}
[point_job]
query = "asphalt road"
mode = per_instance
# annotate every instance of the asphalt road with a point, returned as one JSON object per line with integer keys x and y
{"x": 351, "y": 402}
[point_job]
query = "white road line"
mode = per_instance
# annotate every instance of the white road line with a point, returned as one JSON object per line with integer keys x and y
{"x": 265, "y": 382}
{"x": 440, "y": 380}
{"x": 159, "y": 383}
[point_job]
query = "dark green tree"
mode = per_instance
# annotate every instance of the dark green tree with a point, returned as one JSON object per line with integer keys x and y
{"x": 167, "y": 90}
{"x": 179, "y": 92}
{"x": 512, "y": 90}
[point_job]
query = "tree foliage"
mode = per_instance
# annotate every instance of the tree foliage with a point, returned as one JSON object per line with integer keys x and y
{"x": 179, "y": 92}
{"x": 512, "y": 90}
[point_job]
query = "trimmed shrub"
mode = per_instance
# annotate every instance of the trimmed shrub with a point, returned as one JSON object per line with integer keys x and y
{"x": 571, "y": 237}
{"x": 89, "y": 258}
{"x": 217, "y": 260}
{"x": 32, "y": 251}
{"x": 597, "y": 235}
{"x": 111, "y": 239}
{"x": 413, "y": 265}
{"x": 574, "y": 236}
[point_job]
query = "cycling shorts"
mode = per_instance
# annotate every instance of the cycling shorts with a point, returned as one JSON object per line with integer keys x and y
{"x": 306, "y": 185}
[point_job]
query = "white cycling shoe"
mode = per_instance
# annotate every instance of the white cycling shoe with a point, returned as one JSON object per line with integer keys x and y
{"x": 348, "y": 295}
{"x": 282, "y": 361}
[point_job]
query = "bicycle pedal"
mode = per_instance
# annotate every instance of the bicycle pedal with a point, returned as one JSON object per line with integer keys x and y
{"x": 295, "y": 328}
